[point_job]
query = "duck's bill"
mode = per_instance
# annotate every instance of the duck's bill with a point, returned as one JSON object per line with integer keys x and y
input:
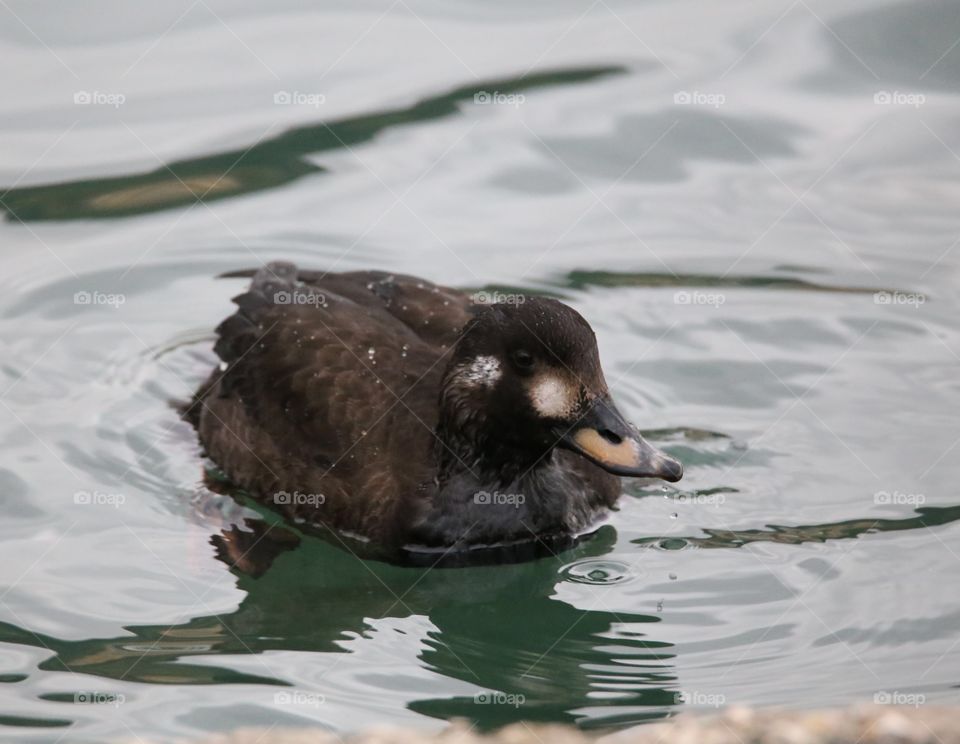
{"x": 607, "y": 440}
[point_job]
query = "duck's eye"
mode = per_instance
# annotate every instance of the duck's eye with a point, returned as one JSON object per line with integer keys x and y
{"x": 522, "y": 359}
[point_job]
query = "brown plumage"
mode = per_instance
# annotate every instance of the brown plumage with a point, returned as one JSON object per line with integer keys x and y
{"x": 396, "y": 410}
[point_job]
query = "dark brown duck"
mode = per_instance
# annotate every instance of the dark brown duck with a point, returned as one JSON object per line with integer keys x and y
{"x": 398, "y": 411}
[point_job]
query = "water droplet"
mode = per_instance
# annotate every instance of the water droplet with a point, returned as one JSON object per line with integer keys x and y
{"x": 673, "y": 577}
{"x": 674, "y": 515}
{"x": 673, "y": 543}
{"x": 660, "y": 606}
{"x": 598, "y": 572}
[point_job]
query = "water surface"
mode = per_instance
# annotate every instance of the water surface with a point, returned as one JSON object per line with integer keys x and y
{"x": 756, "y": 208}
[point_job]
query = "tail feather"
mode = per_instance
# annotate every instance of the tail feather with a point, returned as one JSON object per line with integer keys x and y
{"x": 239, "y": 332}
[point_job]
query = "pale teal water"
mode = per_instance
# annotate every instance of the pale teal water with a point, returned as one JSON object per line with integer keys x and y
{"x": 811, "y": 555}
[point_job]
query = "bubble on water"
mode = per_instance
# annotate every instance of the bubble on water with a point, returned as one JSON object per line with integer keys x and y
{"x": 598, "y": 572}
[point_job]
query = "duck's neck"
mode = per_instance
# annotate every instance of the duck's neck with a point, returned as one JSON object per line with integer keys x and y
{"x": 486, "y": 456}
{"x": 488, "y": 494}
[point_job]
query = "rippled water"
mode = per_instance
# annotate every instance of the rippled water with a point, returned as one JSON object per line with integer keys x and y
{"x": 755, "y": 206}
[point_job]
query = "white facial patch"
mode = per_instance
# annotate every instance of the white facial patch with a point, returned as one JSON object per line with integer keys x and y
{"x": 553, "y": 397}
{"x": 483, "y": 371}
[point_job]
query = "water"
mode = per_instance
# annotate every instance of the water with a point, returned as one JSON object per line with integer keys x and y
{"x": 712, "y": 185}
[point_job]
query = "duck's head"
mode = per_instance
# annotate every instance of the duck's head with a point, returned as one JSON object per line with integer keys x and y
{"x": 525, "y": 378}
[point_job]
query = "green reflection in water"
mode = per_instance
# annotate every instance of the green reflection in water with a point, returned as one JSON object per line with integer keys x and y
{"x": 928, "y": 517}
{"x": 265, "y": 165}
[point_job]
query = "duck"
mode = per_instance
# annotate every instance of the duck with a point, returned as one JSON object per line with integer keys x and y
{"x": 412, "y": 416}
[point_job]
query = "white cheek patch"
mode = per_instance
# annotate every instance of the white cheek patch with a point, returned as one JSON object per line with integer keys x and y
{"x": 553, "y": 397}
{"x": 484, "y": 371}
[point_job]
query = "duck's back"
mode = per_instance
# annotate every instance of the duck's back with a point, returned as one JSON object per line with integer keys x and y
{"x": 326, "y": 399}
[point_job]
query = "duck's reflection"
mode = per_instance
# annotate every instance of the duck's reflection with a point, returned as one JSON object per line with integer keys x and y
{"x": 499, "y": 628}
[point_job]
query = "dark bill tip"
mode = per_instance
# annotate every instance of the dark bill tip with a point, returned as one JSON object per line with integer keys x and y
{"x": 607, "y": 440}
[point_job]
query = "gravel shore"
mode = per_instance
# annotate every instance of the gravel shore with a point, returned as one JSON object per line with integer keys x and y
{"x": 865, "y": 724}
